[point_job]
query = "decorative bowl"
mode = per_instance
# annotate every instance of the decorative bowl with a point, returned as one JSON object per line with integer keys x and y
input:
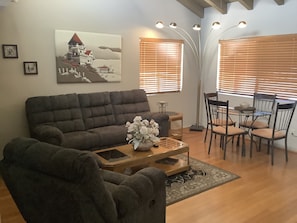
{"x": 244, "y": 105}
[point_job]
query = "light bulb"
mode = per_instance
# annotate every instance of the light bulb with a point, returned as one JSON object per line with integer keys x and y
{"x": 173, "y": 25}
{"x": 242, "y": 24}
{"x": 159, "y": 25}
{"x": 216, "y": 25}
{"x": 196, "y": 27}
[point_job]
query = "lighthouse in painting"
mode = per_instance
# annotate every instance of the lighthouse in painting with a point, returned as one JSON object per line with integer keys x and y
{"x": 78, "y": 53}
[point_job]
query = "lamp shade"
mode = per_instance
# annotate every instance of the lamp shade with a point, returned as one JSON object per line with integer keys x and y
{"x": 196, "y": 27}
{"x": 159, "y": 25}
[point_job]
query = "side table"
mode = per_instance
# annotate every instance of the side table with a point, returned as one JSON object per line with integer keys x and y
{"x": 175, "y": 132}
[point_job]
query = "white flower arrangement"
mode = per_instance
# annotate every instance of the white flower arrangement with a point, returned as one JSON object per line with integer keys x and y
{"x": 142, "y": 131}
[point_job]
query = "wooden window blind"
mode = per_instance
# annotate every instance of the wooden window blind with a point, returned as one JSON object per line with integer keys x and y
{"x": 160, "y": 65}
{"x": 266, "y": 64}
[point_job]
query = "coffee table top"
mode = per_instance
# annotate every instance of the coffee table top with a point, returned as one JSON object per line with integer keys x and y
{"x": 125, "y": 156}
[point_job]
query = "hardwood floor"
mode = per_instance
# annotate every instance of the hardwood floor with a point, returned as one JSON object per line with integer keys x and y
{"x": 262, "y": 194}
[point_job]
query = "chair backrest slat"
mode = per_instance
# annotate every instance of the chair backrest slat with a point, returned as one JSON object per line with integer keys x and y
{"x": 218, "y": 110}
{"x": 207, "y": 96}
{"x": 264, "y": 103}
{"x": 283, "y": 116}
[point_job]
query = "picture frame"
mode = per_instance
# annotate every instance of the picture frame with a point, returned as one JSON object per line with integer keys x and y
{"x": 99, "y": 59}
{"x": 10, "y": 51}
{"x": 30, "y": 67}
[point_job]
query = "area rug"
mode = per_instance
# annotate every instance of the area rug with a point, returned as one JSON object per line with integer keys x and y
{"x": 199, "y": 178}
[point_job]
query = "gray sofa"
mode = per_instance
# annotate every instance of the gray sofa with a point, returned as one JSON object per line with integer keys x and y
{"x": 52, "y": 184}
{"x": 89, "y": 121}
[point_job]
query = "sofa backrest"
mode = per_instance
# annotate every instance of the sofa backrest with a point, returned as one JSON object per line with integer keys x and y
{"x": 96, "y": 109}
{"x": 61, "y": 111}
{"x": 128, "y": 104}
{"x": 53, "y": 184}
{"x": 79, "y": 112}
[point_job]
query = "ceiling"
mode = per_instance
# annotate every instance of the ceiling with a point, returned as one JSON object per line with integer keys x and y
{"x": 197, "y": 6}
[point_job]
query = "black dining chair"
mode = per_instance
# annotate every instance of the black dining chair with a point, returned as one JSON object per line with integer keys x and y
{"x": 222, "y": 129}
{"x": 260, "y": 118}
{"x": 278, "y": 130}
{"x": 213, "y": 96}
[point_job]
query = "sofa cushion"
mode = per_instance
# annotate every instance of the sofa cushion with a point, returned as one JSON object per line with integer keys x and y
{"x": 96, "y": 109}
{"x": 128, "y": 104}
{"x": 61, "y": 111}
{"x": 110, "y": 135}
{"x": 82, "y": 140}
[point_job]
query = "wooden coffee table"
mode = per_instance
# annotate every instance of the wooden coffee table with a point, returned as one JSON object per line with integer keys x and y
{"x": 124, "y": 159}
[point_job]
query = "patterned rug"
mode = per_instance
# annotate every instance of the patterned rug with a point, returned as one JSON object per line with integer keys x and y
{"x": 199, "y": 178}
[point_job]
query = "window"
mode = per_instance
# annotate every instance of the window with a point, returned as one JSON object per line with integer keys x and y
{"x": 259, "y": 64}
{"x": 160, "y": 65}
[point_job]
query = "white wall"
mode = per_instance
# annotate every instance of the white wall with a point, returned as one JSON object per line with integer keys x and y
{"x": 31, "y": 23}
{"x": 267, "y": 18}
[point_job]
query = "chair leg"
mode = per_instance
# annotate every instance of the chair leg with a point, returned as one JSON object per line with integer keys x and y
{"x": 268, "y": 146}
{"x": 243, "y": 146}
{"x": 260, "y": 143}
{"x": 222, "y": 142}
{"x": 205, "y": 136}
{"x": 238, "y": 140}
{"x": 251, "y": 146}
{"x": 286, "y": 149}
{"x": 272, "y": 153}
{"x": 233, "y": 136}
{"x": 224, "y": 145}
{"x": 210, "y": 140}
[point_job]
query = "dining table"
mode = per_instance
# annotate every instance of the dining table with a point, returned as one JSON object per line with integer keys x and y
{"x": 244, "y": 113}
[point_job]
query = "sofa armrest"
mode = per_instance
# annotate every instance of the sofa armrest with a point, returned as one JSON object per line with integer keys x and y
{"x": 160, "y": 116}
{"x": 143, "y": 190}
{"x": 49, "y": 134}
{"x": 163, "y": 120}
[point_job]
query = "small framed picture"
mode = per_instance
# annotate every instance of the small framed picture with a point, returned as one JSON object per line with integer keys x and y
{"x": 30, "y": 67}
{"x": 10, "y": 51}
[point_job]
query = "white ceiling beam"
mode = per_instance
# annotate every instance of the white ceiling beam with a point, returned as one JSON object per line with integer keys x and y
{"x": 280, "y": 2}
{"x": 248, "y": 4}
{"x": 193, "y": 6}
{"x": 219, "y": 5}
{"x": 197, "y": 6}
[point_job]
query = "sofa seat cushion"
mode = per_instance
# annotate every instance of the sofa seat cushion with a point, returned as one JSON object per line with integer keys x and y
{"x": 82, "y": 140}
{"x": 110, "y": 135}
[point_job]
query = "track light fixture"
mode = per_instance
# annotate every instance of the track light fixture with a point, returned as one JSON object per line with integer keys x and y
{"x": 196, "y": 27}
{"x": 242, "y": 24}
{"x": 216, "y": 25}
{"x": 159, "y": 25}
{"x": 173, "y": 25}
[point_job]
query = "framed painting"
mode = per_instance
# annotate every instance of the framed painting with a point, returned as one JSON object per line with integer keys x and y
{"x": 83, "y": 57}
{"x": 30, "y": 67}
{"x": 10, "y": 51}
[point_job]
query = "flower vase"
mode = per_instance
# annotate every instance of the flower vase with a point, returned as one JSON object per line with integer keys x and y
{"x": 144, "y": 146}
